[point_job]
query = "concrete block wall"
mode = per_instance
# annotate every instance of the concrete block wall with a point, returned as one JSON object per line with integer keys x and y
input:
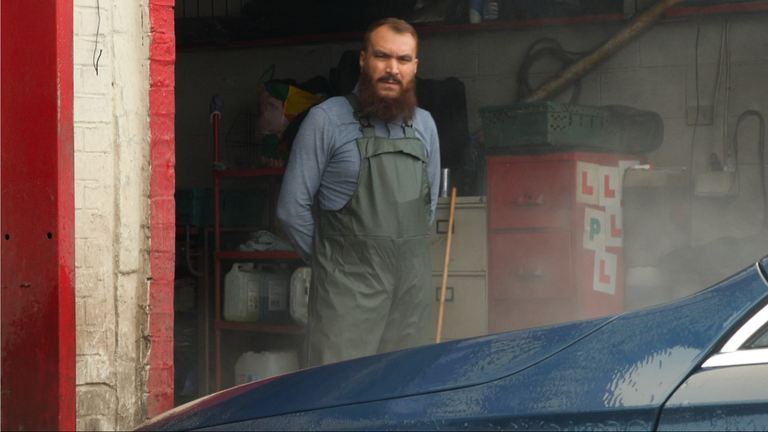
{"x": 111, "y": 85}
{"x": 657, "y": 71}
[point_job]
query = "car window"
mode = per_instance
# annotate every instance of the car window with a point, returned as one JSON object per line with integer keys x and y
{"x": 759, "y": 340}
{"x": 748, "y": 345}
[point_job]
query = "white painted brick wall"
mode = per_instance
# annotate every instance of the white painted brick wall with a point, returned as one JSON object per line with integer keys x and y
{"x": 111, "y": 115}
{"x": 96, "y": 407}
{"x": 94, "y": 369}
{"x": 96, "y": 166}
{"x": 83, "y": 80}
{"x": 92, "y": 108}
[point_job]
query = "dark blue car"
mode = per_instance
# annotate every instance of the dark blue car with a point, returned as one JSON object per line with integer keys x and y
{"x": 700, "y": 363}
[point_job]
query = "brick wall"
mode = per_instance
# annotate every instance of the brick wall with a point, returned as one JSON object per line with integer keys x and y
{"x": 112, "y": 187}
{"x": 162, "y": 207}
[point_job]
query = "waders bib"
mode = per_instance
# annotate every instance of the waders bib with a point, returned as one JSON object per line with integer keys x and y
{"x": 371, "y": 271}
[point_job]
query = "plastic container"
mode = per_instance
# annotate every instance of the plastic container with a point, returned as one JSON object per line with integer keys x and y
{"x": 475, "y": 11}
{"x": 194, "y": 207}
{"x": 241, "y": 294}
{"x": 545, "y": 125}
{"x": 274, "y": 292}
{"x": 490, "y": 10}
{"x": 253, "y": 366}
{"x": 445, "y": 182}
{"x": 299, "y": 300}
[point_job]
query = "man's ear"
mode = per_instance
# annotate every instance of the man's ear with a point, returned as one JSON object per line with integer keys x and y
{"x": 362, "y": 59}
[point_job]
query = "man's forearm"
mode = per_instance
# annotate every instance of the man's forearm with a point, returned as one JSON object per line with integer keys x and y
{"x": 299, "y": 226}
{"x": 301, "y": 236}
{"x": 302, "y": 181}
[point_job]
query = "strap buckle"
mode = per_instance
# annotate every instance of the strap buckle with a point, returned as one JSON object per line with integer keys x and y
{"x": 363, "y": 120}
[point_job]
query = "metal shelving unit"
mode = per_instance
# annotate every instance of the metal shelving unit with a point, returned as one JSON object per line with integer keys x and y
{"x": 219, "y": 325}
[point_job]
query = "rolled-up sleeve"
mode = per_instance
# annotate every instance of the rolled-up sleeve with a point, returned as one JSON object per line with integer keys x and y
{"x": 308, "y": 159}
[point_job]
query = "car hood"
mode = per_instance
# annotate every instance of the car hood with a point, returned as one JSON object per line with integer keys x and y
{"x": 426, "y": 369}
{"x": 671, "y": 338}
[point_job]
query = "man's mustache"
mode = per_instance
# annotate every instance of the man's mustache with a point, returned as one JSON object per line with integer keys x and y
{"x": 390, "y": 78}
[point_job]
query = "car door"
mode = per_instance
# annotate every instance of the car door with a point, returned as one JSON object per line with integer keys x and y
{"x": 730, "y": 390}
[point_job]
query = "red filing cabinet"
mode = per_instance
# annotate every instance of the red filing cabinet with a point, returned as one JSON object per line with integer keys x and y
{"x": 555, "y": 238}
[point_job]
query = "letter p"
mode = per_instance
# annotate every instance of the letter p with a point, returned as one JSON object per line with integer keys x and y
{"x": 594, "y": 228}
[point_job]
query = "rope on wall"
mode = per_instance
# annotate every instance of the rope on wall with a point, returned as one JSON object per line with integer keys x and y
{"x": 550, "y": 48}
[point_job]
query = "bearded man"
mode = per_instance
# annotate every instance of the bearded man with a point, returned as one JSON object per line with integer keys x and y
{"x": 373, "y": 160}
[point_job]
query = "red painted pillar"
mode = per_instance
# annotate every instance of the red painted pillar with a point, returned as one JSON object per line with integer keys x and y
{"x": 37, "y": 243}
{"x": 162, "y": 217}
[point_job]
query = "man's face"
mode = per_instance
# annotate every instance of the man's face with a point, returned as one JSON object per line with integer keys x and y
{"x": 390, "y": 60}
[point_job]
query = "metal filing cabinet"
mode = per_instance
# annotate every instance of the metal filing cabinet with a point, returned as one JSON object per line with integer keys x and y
{"x": 554, "y": 238}
{"x": 466, "y": 306}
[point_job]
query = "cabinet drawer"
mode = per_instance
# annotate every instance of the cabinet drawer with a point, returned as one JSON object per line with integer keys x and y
{"x": 468, "y": 245}
{"x": 530, "y": 265}
{"x": 509, "y": 315}
{"x": 530, "y": 195}
{"x": 466, "y": 307}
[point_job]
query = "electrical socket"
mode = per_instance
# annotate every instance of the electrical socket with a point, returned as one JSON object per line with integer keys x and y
{"x": 706, "y": 115}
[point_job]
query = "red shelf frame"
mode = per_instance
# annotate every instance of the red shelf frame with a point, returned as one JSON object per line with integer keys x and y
{"x": 257, "y": 255}
{"x": 260, "y": 327}
{"x": 258, "y": 172}
{"x": 219, "y": 324}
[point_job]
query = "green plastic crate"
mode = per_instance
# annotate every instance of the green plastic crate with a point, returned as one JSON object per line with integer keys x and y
{"x": 546, "y": 126}
{"x": 237, "y": 207}
{"x": 194, "y": 207}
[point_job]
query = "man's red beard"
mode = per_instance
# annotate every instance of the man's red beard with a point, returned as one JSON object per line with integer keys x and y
{"x": 389, "y": 109}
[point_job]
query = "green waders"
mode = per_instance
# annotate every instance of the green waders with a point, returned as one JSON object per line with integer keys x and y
{"x": 371, "y": 264}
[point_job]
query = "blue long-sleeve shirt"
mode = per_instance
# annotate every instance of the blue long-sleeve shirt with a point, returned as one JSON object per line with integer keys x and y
{"x": 325, "y": 160}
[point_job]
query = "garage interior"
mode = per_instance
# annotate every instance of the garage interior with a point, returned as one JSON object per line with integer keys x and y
{"x": 543, "y": 233}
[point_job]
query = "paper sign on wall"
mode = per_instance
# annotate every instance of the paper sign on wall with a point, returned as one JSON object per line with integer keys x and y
{"x": 606, "y": 272}
{"x": 594, "y": 229}
{"x": 587, "y": 183}
{"x": 610, "y": 186}
{"x": 614, "y": 229}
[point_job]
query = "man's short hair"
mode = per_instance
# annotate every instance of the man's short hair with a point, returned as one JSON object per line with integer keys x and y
{"x": 396, "y": 25}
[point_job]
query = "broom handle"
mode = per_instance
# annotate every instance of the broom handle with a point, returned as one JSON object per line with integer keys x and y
{"x": 445, "y": 268}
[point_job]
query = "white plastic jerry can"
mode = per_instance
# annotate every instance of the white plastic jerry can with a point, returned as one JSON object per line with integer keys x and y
{"x": 252, "y": 366}
{"x": 274, "y": 292}
{"x": 300, "y": 281}
{"x": 241, "y": 293}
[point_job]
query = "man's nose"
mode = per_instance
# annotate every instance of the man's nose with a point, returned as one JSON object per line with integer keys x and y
{"x": 392, "y": 67}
